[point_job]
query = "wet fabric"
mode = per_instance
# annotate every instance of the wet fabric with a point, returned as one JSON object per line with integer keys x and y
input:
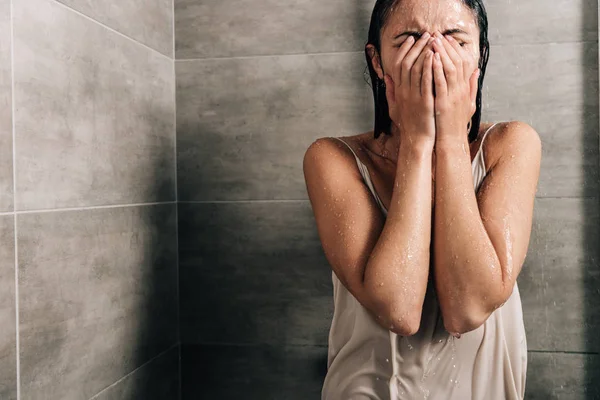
{"x": 367, "y": 361}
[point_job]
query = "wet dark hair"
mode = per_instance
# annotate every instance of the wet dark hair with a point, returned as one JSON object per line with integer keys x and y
{"x": 381, "y": 13}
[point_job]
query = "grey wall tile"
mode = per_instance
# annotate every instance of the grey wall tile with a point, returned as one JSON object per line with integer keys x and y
{"x": 98, "y": 296}
{"x": 554, "y": 87}
{"x": 533, "y": 21}
{"x": 253, "y": 273}
{"x": 95, "y": 113}
{"x": 252, "y": 372}
{"x": 242, "y": 28}
{"x": 8, "y": 346}
{"x": 6, "y": 148}
{"x": 147, "y": 21}
{"x": 244, "y": 124}
{"x": 560, "y": 277}
{"x": 156, "y": 380}
{"x": 563, "y": 376}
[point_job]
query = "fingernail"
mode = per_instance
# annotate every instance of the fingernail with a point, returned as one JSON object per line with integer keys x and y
{"x": 425, "y": 35}
{"x": 449, "y": 38}
{"x": 438, "y": 40}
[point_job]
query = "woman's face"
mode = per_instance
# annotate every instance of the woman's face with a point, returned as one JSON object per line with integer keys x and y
{"x": 415, "y": 17}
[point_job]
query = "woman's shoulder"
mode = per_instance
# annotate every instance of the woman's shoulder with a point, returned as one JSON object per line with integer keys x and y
{"x": 352, "y": 143}
{"x": 505, "y": 135}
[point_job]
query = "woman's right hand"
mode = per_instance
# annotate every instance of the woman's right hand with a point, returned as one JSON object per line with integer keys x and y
{"x": 409, "y": 90}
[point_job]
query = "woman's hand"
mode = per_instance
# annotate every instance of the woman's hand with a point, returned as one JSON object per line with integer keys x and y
{"x": 456, "y": 75}
{"x": 409, "y": 90}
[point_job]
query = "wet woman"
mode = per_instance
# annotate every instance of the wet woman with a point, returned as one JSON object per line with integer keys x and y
{"x": 426, "y": 220}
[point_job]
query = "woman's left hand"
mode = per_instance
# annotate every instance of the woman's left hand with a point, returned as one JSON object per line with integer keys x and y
{"x": 456, "y": 82}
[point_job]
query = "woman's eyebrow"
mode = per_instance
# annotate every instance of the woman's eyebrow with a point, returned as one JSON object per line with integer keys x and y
{"x": 417, "y": 34}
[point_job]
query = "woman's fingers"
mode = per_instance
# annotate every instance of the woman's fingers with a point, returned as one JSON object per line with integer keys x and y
{"x": 474, "y": 86}
{"x": 450, "y": 69}
{"x": 441, "y": 86}
{"x": 408, "y": 61}
{"x": 396, "y": 72}
{"x": 427, "y": 78}
{"x": 390, "y": 90}
{"x": 416, "y": 72}
{"x": 468, "y": 62}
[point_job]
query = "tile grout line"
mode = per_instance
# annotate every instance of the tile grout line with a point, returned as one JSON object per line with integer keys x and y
{"x": 14, "y": 165}
{"x": 307, "y": 200}
{"x": 111, "y": 29}
{"x": 132, "y": 372}
{"x": 583, "y": 353}
{"x": 330, "y": 53}
{"x": 179, "y": 372}
{"x": 51, "y": 210}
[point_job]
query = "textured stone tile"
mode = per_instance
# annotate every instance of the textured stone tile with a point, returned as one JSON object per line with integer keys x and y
{"x": 98, "y": 296}
{"x": 253, "y": 273}
{"x": 245, "y": 124}
{"x": 563, "y": 376}
{"x": 244, "y": 28}
{"x": 148, "y": 21}
{"x": 95, "y": 113}
{"x": 553, "y": 87}
{"x": 157, "y": 380}
{"x": 8, "y": 345}
{"x": 241, "y": 28}
{"x": 561, "y": 276}
{"x": 6, "y": 148}
{"x": 252, "y": 372}
{"x": 532, "y": 21}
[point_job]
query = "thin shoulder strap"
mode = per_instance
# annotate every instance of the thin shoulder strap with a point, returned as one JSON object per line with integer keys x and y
{"x": 485, "y": 134}
{"x": 364, "y": 172}
{"x": 480, "y": 151}
{"x": 355, "y": 156}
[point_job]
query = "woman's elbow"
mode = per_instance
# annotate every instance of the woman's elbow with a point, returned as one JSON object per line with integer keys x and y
{"x": 460, "y": 323}
{"x": 405, "y": 323}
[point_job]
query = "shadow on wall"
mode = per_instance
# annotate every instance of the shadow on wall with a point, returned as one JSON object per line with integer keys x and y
{"x": 255, "y": 287}
{"x": 152, "y": 316}
{"x": 591, "y": 276}
{"x": 155, "y": 246}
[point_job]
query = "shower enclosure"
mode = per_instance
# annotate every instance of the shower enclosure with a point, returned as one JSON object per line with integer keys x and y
{"x": 157, "y": 238}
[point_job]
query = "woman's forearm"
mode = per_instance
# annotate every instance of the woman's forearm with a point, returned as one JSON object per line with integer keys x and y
{"x": 466, "y": 267}
{"x": 398, "y": 267}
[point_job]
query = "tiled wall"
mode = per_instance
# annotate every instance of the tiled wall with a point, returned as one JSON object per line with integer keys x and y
{"x": 257, "y": 82}
{"x": 89, "y": 233}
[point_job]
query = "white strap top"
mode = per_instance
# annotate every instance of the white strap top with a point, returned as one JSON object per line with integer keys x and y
{"x": 367, "y": 361}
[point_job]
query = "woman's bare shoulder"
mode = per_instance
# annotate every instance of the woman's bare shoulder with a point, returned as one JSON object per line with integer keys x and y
{"x": 504, "y": 136}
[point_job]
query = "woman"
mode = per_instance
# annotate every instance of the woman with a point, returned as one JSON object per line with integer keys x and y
{"x": 425, "y": 228}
